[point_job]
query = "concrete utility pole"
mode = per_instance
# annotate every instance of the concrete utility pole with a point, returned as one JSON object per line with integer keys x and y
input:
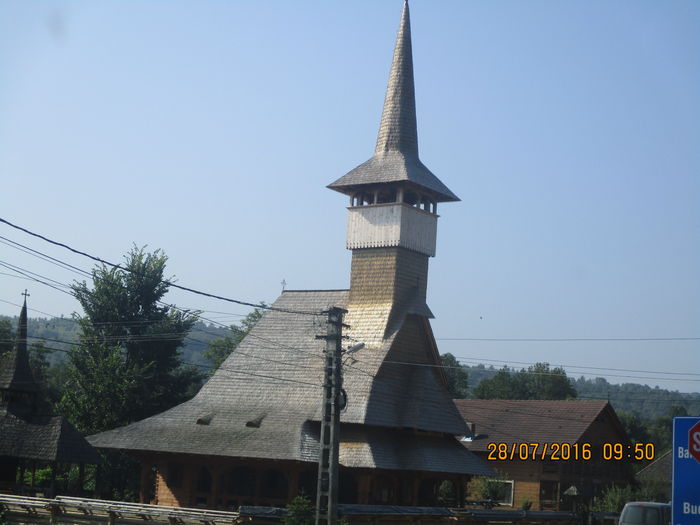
{"x": 329, "y": 442}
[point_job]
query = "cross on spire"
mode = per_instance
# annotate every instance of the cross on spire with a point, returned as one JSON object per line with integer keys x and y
{"x": 25, "y": 294}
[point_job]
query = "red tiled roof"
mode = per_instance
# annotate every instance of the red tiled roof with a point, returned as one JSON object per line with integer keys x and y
{"x": 532, "y": 421}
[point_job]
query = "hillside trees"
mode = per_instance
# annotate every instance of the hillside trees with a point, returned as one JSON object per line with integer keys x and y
{"x": 538, "y": 381}
{"x": 457, "y": 377}
{"x": 219, "y": 349}
{"x": 6, "y": 336}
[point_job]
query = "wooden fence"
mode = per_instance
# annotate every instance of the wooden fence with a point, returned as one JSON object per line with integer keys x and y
{"x": 23, "y": 510}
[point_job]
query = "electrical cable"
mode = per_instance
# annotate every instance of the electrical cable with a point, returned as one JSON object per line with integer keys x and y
{"x": 174, "y": 285}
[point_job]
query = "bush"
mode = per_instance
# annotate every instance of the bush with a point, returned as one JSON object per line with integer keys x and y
{"x": 300, "y": 511}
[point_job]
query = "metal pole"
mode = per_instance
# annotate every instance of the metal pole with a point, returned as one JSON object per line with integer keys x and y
{"x": 329, "y": 439}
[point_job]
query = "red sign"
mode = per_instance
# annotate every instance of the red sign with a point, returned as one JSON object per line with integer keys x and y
{"x": 694, "y": 441}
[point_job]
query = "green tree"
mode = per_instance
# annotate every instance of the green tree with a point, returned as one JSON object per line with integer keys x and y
{"x": 614, "y": 497}
{"x": 493, "y": 489}
{"x": 126, "y": 366}
{"x": 457, "y": 377}
{"x": 219, "y": 349}
{"x": 635, "y": 427}
{"x": 503, "y": 385}
{"x": 7, "y": 336}
{"x": 300, "y": 511}
{"x": 127, "y": 331}
{"x": 548, "y": 383}
{"x": 39, "y": 362}
{"x": 537, "y": 382}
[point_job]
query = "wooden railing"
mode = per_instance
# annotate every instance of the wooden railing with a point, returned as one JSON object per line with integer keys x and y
{"x": 65, "y": 510}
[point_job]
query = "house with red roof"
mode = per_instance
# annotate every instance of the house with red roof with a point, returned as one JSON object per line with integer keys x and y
{"x": 552, "y": 454}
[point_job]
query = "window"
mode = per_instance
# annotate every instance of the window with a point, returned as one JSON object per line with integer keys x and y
{"x": 240, "y": 481}
{"x": 204, "y": 480}
{"x": 386, "y": 196}
{"x": 549, "y": 492}
{"x": 274, "y": 484}
{"x": 175, "y": 475}
{"x": 499, "y": 490}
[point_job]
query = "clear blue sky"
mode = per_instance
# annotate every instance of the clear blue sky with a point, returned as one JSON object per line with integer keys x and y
{"x": 570, "y": 130}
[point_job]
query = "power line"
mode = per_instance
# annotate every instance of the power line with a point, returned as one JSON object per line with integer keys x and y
{"x": 564, "y": 339}
{"x": 174, "y": 336}
{"x": 579, "y": 366}
{"x": 19, "y": 269}
{"x": 61, "y": 263}
{"x": 431, "y": 365}
{"x": 229, "y": 370}
{"x": 179, "y": 287}
{"x": 32, "y": 309}
{"x": 43, "y": 256}
{"x": 35, "y": 279}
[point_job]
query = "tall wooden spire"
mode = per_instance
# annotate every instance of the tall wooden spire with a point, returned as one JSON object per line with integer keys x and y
{"x": 18, "y": 373}
{"x": 395, "y": 162}
{"x": 398, "y": 130}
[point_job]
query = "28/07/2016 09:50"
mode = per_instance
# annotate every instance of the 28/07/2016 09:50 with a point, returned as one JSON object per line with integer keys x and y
{"x": 570, "y": 451}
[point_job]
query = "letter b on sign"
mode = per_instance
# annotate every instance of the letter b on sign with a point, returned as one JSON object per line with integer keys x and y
{"x": 694, "y": 441}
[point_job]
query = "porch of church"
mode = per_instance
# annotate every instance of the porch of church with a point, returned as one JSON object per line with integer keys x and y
{"x": 228, "y": 483}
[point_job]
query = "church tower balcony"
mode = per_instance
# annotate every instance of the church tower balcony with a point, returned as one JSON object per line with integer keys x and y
{"x": 388, "y": 224}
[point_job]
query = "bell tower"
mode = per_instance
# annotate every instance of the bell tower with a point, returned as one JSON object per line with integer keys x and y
{"x": 392, "y": 217}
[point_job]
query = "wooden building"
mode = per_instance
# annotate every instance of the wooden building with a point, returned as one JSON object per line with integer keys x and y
{"x": 548, "y": 483}
{"x": 31, "y": 435}
{"x": 658, "y": 476}
{"x": 251, "y": 435}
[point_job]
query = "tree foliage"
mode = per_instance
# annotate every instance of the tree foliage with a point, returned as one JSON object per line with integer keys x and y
{"x": 658, "y": 431}
{"x": 492, "y": 489}
{"x": 300, "y": 511}
{"x": 614, "y": 497}
{"x": 538, "y": 381}
{"x": 127, "y": 365}
{"x": 7, "y": 336}
{"x": 457, "y": 377}
{"x": 219, "y": 349}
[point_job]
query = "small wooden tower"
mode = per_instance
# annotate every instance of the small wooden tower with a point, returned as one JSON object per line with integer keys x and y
{"x": 30, "y": 434}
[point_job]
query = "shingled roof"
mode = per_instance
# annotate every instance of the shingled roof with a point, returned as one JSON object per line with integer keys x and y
{"x": 396, "y": 153}
{"x": 530, "y": 421}
{"x": 28, "y": 430}
{"x": 265, "y": 402}
{"x": 44, "y": 438}
{"x": 659, "y": 470}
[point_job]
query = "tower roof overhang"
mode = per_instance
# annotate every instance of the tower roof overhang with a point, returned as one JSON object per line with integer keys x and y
{"x": 393, "y": 167}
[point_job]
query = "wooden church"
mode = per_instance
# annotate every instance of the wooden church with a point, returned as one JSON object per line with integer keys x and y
{"x": 251, "y": 435}
{"x": 31, "y": 435}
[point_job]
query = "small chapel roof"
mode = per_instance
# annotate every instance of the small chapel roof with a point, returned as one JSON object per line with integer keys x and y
{"x": 395, "y": 156}
{"x": 28, "y": 429}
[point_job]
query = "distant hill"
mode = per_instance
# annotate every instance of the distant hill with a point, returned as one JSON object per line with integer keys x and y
{"x": 645, "y": 401}
{"x": 60, "y": 332}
